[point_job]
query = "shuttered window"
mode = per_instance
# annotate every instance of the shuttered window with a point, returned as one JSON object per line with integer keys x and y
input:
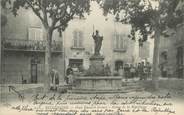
{"x": 77, "y": 39}
{"x": 119, "y": 41}
{"x": 35, "y": 33}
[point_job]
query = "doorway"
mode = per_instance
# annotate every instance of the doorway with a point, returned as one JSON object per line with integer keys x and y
{"x": 76, "y": 63}
{"x": 118, "y": 64}
{"x": 34, "y": 71}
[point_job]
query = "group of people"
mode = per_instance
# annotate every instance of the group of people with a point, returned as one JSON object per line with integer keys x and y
{"x": 75, "y": 70}
{"x": 141, "y": 70}
{"x": 128, "y": 71}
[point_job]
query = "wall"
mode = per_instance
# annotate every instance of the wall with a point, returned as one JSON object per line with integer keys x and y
{"x": 144, "y": 51}
{"x": 17, "y": 27}
{"x": 170, "y": 44}
{"x": 180, "y": 43}
{"x": 107, "y": 28}
{"x": 17, "y": 63}
{"x": 167, "y": 45}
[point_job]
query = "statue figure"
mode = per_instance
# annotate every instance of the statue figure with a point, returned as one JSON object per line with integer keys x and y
{"x": 98, "y": 42}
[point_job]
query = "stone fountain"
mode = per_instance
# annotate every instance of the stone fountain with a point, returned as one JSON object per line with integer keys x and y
{"x": 95, "y": 80}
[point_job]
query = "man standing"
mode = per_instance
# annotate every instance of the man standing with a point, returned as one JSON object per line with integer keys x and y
{"x": 148, "y": 70}
{"x": 142, "y": 75}
{"x": 107, "y": 70}
{"x": 139, "y": 70}
{"x": 126, "y": 71}
{"x": 54, "y": 79}
{"x": 121, "y": 72}
{"x": 69, "y": 71}
{"x": 132, "y": 71}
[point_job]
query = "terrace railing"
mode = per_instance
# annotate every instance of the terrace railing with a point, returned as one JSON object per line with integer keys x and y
{"x": 30, "y": 45}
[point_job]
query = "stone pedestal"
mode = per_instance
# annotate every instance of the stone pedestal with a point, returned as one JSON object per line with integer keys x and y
{"x": 97, "y": 84}
{"x": 95, "y": 81}
{"x": 96, "y": 66}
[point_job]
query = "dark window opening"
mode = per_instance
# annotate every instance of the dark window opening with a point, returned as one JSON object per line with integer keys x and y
{"x": 118, "y": 64}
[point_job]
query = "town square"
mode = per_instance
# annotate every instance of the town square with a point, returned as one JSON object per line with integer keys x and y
{"x": 101, "y": 57}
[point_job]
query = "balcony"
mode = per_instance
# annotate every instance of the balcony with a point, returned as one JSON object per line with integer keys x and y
{"x": 77, "y": 48}
{"x": 119, "y": 50}
{"x": 30, "y": 45}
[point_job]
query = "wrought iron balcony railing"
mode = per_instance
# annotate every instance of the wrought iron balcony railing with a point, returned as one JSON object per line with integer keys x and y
{"x": 30, "y": 45}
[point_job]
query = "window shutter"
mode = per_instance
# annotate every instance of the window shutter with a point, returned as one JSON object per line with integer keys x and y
{"x": 125, "y": 43}
{"x": 122, "y": 42}
{"x": 114, "y": 41}
{"x": 40, "y": 34}
{"x": 30, "y": 34}
{"x": 75, "y": 38}
{"x": 80, "y": 38}
{"x": 117, "y": 41}
{"x": 35, "y": 34}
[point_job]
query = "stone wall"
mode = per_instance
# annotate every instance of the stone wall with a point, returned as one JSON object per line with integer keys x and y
{"x": 18, "y": 64}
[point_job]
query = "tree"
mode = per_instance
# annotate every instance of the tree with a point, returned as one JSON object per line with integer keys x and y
{"x": 147, "y": 20}
{"x": 3, "y": 23}
{"x": 54, "y": 15}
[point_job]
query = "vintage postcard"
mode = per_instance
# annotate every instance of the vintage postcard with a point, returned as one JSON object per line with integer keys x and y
{"x": 92, "y": 57}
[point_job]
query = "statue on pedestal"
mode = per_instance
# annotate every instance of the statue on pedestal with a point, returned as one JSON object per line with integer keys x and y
{"x": 98, "y": 42}
{"x": 96, "y": 60}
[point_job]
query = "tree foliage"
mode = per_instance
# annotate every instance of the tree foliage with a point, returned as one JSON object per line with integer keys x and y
{"x": 54, "y": 14}
{"x": 144, "y": 17}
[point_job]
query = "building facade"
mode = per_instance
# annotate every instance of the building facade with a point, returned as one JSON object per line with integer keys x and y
{"x": 23, "y": 49}
{"x": 172, "y": 53}
{"x": 146, "y": 51}
{"x": 179, "y": 46}
{"x": 117, "y": 48}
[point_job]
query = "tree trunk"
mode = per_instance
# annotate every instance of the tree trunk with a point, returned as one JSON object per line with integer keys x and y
{"x": 0, "y": 61}
{"x": 155, "y": 72}
{"x": 48, "y": 60}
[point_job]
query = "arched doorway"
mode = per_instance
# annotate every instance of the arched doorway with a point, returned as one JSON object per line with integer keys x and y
{"x": 118, "y": 63}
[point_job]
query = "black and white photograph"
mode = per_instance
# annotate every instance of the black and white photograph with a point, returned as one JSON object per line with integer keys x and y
{"x": 92, "y": 57}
